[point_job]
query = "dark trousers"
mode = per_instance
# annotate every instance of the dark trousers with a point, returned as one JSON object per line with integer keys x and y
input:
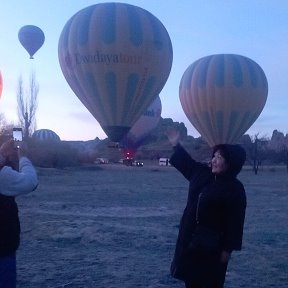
{"x": 217, "y": 282}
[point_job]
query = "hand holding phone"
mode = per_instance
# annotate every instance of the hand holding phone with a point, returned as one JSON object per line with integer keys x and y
{"x": 17, "y": 137}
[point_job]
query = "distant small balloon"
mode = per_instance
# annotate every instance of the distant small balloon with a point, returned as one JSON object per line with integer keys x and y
{"x": 32, "y": 38}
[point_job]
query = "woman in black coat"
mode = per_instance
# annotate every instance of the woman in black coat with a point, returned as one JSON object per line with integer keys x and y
{"x": 212, "y": 223}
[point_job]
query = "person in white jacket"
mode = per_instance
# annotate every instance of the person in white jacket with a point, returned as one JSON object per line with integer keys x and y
{"x": 13, "y": 182}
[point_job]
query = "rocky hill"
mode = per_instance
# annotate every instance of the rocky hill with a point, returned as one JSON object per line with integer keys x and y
{"x": 157, "y": 145}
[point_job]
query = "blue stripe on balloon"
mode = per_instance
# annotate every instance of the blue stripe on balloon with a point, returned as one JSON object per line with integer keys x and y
{"x": 108, "y": 23}
{"x": 111, "y": 89}
{"x": 135, "y": 28}
{"x": 237, "y": 71}
{"x": 253, "y": 74}
{"x": 149, "y": 86}
{"x": 65, "y": 34}
{"x": 233, "y": 119}
{"x": 206, "y": 122}
{"x": 245, "y": 122}
{"x": 84, "y": 23}
{"x": 220, "y": 123}
{"x": 220, "y": 70}
{"x": 264, "y": 83}
{"x": 157, "y": 32}
{"x": 131, "y": 86}
{"x": 203, "y": 68}
{"x": 95, "y": 97}
{"x": 186, "y": 79}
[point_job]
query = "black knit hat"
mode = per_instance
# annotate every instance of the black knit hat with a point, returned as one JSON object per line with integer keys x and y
{"x": 234, "y": 155}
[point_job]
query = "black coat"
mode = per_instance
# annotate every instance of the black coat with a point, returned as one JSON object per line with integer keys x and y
{"x": 221, "y": 207}
{"x": 9, "y": 225}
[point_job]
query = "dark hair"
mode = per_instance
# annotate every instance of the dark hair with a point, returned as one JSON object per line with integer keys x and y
{"x": 234, "y": 155}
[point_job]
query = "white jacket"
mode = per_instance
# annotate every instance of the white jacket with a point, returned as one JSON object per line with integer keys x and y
{"x": 14, "y": 183}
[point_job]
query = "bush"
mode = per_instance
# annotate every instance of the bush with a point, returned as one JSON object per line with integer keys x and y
{"x": 52, "y": 154}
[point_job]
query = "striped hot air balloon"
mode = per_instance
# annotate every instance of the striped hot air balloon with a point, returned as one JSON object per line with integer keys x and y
{"x": 116, "y": 57}
{"x": 222, "y": 96}
{"x": 142, "y": 128}
{"x": 45, "y": 135}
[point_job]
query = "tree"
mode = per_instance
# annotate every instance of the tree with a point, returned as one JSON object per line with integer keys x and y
{"x": 284, "y": 155}
{"x": 257, "y": 151}
{"x": 256, "y": 158}
{"x": 27, "y": 105}
{"x": 5, "y": 128}
{"x": 3, "y": 123}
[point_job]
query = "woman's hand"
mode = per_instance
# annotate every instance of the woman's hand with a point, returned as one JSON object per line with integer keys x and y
{"x": 22, "y": 150}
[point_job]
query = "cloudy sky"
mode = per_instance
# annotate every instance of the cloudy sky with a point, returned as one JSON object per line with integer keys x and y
{"x": 257, "y": 29}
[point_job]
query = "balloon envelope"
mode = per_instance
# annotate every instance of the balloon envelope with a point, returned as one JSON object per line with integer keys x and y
{"x": 116, "y": 57}
{"x": 222, "y": 96}
{"x": 32, "y": 38}
{"x": 45, "y": 135}
{"x": 143, "y": 127}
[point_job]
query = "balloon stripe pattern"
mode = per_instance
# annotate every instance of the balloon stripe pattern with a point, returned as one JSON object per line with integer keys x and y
{"x": 122, "y": 51}
{"x": 45, "y": 135}
{"x": 143, "y": 126}
{"x": 222, "y": 96}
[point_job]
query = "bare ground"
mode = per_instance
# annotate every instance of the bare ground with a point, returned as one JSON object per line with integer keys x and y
{"x": 115, "y": 226}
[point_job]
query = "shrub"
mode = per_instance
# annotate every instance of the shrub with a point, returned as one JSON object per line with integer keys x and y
{"x": 52, "y": 154}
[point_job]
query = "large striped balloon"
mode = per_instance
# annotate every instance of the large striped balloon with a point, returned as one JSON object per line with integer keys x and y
{"x": 222, "y": 96}
{"x": 116, "y": 58}
{"x": 45, "y": 135}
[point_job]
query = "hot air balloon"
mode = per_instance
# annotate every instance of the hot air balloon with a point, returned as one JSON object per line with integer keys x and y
{"x": 141, "y": 129}
{"x": 45, "y": 135}
{"x": 116, "y": 57}
{"x": 1, "y": 84}
{"x": 222, "y": 96}
{"x": 32, "y": 38}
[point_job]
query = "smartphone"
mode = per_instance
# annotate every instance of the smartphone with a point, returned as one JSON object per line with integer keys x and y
{"x": 17, "y": 136}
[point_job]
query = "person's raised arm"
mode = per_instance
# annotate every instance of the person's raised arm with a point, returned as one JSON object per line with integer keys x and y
{"x": 181, "y": 159}
{"x": 13, "y": 182}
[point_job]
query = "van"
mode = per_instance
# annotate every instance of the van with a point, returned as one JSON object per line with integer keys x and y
{"x": 101, "y": 161}
{"x": 164, "y": 162}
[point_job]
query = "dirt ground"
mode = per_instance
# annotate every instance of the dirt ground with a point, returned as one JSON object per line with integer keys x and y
{"x": 111, "y": 226}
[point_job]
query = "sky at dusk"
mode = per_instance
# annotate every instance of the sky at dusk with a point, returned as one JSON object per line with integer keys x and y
{"x": 252, "y": 28}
